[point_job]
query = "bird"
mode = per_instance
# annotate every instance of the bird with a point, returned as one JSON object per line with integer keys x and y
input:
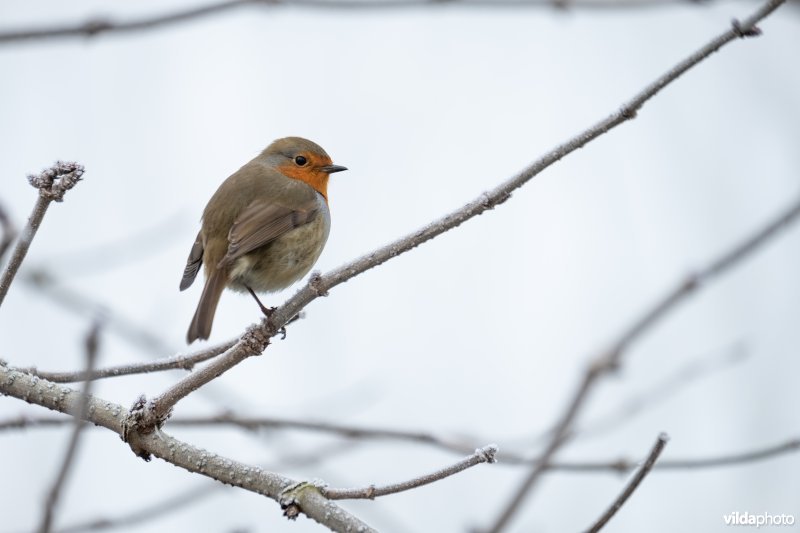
{"x": 264, "y": 227}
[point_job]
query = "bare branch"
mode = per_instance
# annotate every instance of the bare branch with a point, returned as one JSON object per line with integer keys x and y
{"x": 113, "y": 416}
{"x": 343, "y": 430}
{"x": 172, "y": 504}
{"x": 9, "y": 233}
{"x": 619, "y": 466}
{"x": 632, "y": 485}
{"x": 610, "y": 359}
{"x": 52, "y": 183}
{"x": 176, "y": 362}
{"x": 154, "y": 413}
{"x": 101, "y": 25}
{"x": 80, "y": 414}
{"x": 481, "y": 455}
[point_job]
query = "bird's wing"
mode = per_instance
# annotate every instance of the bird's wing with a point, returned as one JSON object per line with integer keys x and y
{"x": 264, "y": 221}
{"x": 193, "y": 262}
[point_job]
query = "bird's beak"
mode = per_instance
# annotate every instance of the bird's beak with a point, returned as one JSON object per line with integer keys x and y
{"x": 330, "y": 169}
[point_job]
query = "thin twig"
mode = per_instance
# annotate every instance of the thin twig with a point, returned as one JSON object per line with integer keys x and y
{"x": 343, "y": 430}
{"x": 256, "y": 339}
{"x": 80, "y": 414}
{"x": 610, "y": 359}
{"x": 113, "y": 416}
{"x": 693, "y": 463}
{"x": 481, "y": 455}
{"x": 632, "y": 485}
{"x": 52, "y": 183}
{"x": 618, "y": 466}
{"x": 101, "y": 25}
{"x": 9, "y": 233}
{"x": 176, "y": 362}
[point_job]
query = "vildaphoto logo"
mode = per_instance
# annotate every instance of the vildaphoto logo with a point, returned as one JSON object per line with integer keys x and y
{"x": 764, "y": 519}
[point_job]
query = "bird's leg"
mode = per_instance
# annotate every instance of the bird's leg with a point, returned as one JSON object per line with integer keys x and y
{"x": 266, "y": 310}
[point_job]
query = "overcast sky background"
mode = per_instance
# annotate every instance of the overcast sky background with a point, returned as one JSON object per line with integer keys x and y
{"x": 482, "y": 332}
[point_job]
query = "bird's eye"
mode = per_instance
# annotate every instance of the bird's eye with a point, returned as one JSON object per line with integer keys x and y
{"x": 300, "y": 160}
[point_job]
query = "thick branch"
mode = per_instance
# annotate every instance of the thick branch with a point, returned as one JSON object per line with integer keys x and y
{"x": 112, "y": 416}
{"x": 632, "y": 485}
{"x": 610, "y": 359}
{"x": 52, "y": 183}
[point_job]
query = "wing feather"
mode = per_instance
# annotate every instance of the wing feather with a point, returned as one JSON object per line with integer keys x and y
{"x": 262, "y": 222}
{"x": 193, "y": 262}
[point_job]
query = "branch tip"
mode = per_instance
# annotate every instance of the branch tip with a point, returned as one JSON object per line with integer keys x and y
{"x": 54, "y": 182}
{"x": 488, "y": 453}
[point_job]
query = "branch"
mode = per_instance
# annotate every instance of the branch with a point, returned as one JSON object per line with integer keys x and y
{"x": 180, "y": 361}
{"x": 343, "y": 430}
{"x": 9, "y": 233}
{"x": 610, "y": 360}
{"x": 632, "y": 485}
{"x": 162, "y": 445}
{"x": 620, "y": 466}
{"x": 79, "y": 414}
{"x": 52, "y": 183}
{"x": 623, "y": 466}
{"x": 481, "y": 455}
{"x": 171, "y": 504}
{"x": 101, "y": 25}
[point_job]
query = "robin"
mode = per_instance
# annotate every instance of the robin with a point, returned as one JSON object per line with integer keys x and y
{"x": 264, "y": 228}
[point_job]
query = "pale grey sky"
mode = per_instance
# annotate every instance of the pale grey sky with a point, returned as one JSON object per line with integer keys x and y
{"x": 483, "y": 331}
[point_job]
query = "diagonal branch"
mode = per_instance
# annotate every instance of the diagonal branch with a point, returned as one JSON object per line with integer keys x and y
{"x": 256, "y": 339}
{"x": 632, "y": 485}
{"x": 610, "y": 360}
{"x": 52, "y": 183}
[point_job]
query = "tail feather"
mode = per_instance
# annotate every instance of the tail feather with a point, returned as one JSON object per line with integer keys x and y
{"x": 200, "y": 328}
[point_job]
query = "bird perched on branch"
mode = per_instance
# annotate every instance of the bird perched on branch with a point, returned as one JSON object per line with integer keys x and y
{"x": 264, "y": 228}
